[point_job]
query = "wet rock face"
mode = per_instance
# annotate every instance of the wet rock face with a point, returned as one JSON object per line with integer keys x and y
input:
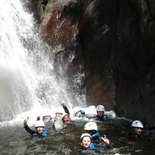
{"x": 117, "y": 41}
{"x": 61, "y": 32}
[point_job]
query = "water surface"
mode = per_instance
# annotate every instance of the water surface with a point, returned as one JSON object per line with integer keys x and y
{"x": 16, "y": 141}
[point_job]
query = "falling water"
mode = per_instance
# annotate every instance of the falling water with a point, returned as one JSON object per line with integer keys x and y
{"x": 27, "y": 77}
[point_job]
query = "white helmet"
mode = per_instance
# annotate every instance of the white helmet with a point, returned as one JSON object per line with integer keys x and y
{"x": 90, "y": 126}
{"x": 100, "y": 108}
{"x": 39, "y": 123}
{"x": 64, "y": 115}
{"x": 85, "y": 135}
{"x": 137, "y": 124}
{"x": 76, "y": 109}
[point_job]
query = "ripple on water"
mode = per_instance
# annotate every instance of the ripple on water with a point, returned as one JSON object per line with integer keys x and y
{"x": 16, "y": 141}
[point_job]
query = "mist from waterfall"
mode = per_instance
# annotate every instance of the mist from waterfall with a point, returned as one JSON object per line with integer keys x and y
{"x": 27, "y": 76}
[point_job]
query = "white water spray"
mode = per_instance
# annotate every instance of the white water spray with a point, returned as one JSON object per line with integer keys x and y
{"x": 27, "y": 77}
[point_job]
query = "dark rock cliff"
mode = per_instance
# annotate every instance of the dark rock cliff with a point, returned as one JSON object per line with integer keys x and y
{"x": 117, "y": 42}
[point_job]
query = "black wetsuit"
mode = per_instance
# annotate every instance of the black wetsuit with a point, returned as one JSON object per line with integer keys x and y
{"x": 34, "y": 133}
{"x": 66, "y": 110}
{"x": 138, "y": 138}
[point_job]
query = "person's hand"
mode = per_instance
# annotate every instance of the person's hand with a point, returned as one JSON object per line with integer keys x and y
{"x": 62, "y": 103}
{"x": 26, "y": 119}
{"x": 104, "y": 138}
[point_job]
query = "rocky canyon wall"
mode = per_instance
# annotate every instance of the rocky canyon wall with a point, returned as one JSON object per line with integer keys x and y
{"x": 116, "y": 40}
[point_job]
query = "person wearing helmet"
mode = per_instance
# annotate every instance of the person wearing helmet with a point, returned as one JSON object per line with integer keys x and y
{"x": 61, "y": 117}
{"x": 86, "y": 143}
{"x": 79, "y": 113}
{"x": 92, "y": 129}
{"x": 136, "y": 135}
{"x": 100, "y": 113}
{"x": 67, "y": 122}
{"x": 137, "y": 126}
{"x": 58, "y": 114}
{"x": 66, "y": 119}
{"x": 57, "y": 120}
{"x": 47, "y": 117}
{"x": 39, "y": 128}
{"x": 66, "y": 116}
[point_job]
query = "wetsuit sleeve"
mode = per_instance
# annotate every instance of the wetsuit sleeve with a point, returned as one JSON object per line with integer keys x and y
{"x": 66, "y": 110}
{"x": 28, "y": 129}
{"x": 131, "y": 136}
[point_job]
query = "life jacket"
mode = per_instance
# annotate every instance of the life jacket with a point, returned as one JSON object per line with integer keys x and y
{"x": 132, "y": 136}
{"x": 43, "y": 134}
{"x": 90, "y": 148}
{"x": 82, "y": 113}
{"x": 95, "y": 135}
{"x": 103, "y": 118}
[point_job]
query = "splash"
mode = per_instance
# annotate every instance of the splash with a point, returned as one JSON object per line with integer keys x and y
{"x": 28, "y": 81}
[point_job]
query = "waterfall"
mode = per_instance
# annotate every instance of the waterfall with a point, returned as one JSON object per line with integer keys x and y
{"x": 27, "y": 76}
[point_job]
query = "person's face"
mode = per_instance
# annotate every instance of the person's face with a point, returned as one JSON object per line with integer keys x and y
{"x": 46, "y": 118}
{"x": 138, "y": 131}
{"x": 66, "y": 119}
{"x": 86, "y": 141}
{"x": 91, "y": 131}
{"x": 57, "y": 115}
{"x": 39, "y": 129}
{"x": 100, "y": 113}
{"x": 77, "y": 114}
